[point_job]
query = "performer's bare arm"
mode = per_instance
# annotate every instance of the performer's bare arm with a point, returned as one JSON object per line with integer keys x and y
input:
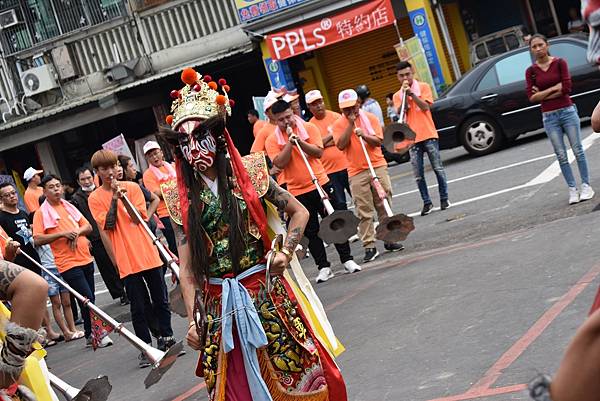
{"x": 284, "y": 201}
{"x": 188, "y": 284}
{"x": 577, "y": 376}
{"x": 186, "y": 277}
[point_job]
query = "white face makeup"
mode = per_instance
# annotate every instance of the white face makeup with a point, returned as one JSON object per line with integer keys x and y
{"x": 199, "y": 151}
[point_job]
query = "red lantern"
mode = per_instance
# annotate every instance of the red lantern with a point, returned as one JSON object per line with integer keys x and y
{"x": 174, "y": 94}
{"x": 222, "y": 81}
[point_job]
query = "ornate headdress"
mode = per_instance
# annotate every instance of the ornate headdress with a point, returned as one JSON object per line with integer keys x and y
{"x": 199, "y": 98}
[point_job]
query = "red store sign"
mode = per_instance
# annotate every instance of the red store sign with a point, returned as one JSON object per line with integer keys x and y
{"x": 326, "y": 31}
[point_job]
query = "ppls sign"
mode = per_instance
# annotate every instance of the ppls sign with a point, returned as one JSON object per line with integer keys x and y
{"x": 332, "y": 29}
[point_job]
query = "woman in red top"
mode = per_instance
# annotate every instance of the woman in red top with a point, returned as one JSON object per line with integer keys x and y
{"x": 549, "y": 83}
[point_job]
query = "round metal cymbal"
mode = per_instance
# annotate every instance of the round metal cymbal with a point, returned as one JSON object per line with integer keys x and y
{"x": 395, "y": 228}
{"x": 338, "y": 227}
{"x": 164, "y": 364}
{"x": 398, "y": 137}
{"x": 95, "y": 390}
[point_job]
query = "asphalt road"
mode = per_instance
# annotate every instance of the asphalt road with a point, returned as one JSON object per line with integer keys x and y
{"x": 486, "y": 294}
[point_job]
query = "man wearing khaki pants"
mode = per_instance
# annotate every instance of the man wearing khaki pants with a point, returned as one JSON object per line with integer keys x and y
{"x": 347, "y": 131}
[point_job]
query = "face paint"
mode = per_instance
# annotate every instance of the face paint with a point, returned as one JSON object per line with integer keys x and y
{"x": 198, "y": 149}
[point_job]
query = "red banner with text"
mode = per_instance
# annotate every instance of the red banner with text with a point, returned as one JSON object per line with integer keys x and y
{"x": 326, "y": 31}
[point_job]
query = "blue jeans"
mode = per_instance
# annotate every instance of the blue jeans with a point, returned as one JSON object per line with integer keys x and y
{"x": 563, "y": 121}
{"x": 339, "y": 182}
{"x": 431, "y": 147}
{"x": 81, "y": 278}
{"x": 137, "y": 286}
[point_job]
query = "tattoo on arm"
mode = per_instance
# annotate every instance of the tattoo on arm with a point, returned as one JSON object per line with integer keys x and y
{"x": 111, "y": 216}
{"x": 293, "y": 239}
{"x": 180, "y": 237}
{"x": 277, "y": 195}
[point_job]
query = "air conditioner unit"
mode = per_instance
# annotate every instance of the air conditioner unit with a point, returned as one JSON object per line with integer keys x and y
{"x": 39, "y": 79}
{"x": 8, "y": 19}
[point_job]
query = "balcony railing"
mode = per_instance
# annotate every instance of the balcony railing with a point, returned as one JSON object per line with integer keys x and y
{"x": 34, "y": 22}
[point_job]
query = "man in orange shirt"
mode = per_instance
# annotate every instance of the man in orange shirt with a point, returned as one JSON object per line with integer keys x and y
{"x": 346, "y": 131}
{"x": 34, "y": 191}
{"x": 158, "y": 173}
{"x": 261, "y": 136}
{"x": 418, "y": 117}
{"x": 255, "y": 121}
{"x": 139, "y": 263}
{"x": 334, "y": 161}
{"x": 269, "y": 128}
{"x": 283, "y": 151}
{"x": 60, "y": 224}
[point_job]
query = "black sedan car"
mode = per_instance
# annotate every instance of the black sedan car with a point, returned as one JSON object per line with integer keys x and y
{"x": 488, "y": 106}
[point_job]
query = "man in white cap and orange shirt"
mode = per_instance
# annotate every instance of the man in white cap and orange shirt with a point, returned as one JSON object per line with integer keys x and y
{"x": 334, "y": 160}
{"x": 33, "y": 192}
{"x": 259, "y": 140}
{"x": 282, "y": 149}
{"x": 353, "y": 124}
{"x": 158, "y": 173}
{"x": 294, "y": 101}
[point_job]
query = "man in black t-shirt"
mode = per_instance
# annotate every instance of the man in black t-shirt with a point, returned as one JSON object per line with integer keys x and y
{"x": 16, "y": 224}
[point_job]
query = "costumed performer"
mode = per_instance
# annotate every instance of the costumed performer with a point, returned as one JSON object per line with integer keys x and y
{"x": 257, "y": 343}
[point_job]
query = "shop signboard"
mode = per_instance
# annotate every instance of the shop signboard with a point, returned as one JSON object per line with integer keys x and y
{"x": 332, "y": 29}
{"x": 249, "y": 10}
{"x": 422, "y": 30}
{"x": 280, "y": 74}
{"x": 412, "y": 51}
{"x": 119, "y": 145}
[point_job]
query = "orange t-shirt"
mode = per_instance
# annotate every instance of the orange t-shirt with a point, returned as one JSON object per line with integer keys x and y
{"x": 153, "y": 185}
{"x": 3, "y": 242}
{"x": 333, "y": 159}
{"x": 133, "y": 249}
{"x": 357, "y": 162}
{"x": 296, "y": 173}
{"x": 32, "y": 198}
{"x": 258, "y": 125}
{"x": 64, "y": 257}
{"x": 419, "y": 120}
{"x": 261, "y": 137}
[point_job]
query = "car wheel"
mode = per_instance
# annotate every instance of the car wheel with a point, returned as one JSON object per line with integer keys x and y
{"x": 481, "y": 135}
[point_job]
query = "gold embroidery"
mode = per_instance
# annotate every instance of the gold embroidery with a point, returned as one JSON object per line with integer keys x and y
{"x": 170, "y": 194}
{"x": 256, "y": 165}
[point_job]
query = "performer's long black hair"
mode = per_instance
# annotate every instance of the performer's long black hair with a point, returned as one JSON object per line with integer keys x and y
{"x": 214, "y": 126}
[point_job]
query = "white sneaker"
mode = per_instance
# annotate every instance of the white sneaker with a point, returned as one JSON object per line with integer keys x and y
{"x": 587, "y": 192}
{"x": 324, "y": 275}
{"x": 106, "y": 342}
{"x": 352, "y": 267}
{"x": 354, "y": 238}
{"x": 573, "y": 196}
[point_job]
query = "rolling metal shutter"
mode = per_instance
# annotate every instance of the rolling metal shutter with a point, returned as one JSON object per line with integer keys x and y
{"x": 367, "y": 59}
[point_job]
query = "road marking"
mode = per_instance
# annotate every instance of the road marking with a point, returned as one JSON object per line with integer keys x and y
{"x": 482, "y": 387}
{"x": 488, "y": 393}
{"x": 550, "y": 173}
{"x": 190, "y": 392}
{"x": 494, "y": 170}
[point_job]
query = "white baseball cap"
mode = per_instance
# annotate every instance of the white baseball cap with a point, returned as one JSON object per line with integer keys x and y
{"x": 270, "y": 100}
{"x": 30, "y": 173}
{"x": 290, "y": 98}
{"x": 150, "y": 145}
{"x": 313, "y": 95}
{"x": 347, "y": 98}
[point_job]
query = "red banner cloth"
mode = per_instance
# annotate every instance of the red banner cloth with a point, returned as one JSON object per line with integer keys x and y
{"x": 326, "y": 31}
{"x": 100, "y": 329}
